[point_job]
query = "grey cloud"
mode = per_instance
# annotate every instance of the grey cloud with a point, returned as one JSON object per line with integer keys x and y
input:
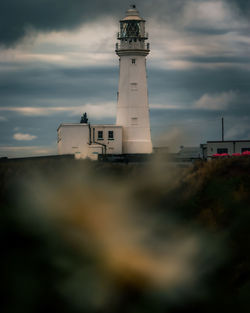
{"x": 219, "y": 59}
{"x": 57, "y": 83}
{"x": 43, "y": 85}
{"x": 44, "y": 15}
{"x": 242, "y": 5}
{"x": 76, "y": 86}
{"x": 208, "y": 31}
{"x": 192, "y": 84}
{"x": 17, "y": 16}
{"x": 44, "y": 127}
{"x": 29, "y": 86}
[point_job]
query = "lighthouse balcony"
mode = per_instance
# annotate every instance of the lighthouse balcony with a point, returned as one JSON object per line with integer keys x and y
{"x": 132, "y": 45}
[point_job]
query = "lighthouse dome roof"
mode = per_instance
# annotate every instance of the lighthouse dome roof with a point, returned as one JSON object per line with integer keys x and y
{"x": 132, "y": 14}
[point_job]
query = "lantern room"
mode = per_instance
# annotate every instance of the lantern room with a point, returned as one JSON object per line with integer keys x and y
{"x": 132, "y": 27}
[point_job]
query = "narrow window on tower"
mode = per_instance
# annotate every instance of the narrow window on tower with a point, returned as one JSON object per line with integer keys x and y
{"x": 134, "y": 121}
{"x": 133, "y": 61}
{"x": 133, "y": 86}
{"x": 100, "y": 135}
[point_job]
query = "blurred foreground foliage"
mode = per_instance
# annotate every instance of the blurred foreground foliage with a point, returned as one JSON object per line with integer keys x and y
{"x": 45, "y": 269}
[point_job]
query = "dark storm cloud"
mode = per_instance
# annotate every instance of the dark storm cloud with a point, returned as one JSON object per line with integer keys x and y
{"x": 208, "y": 31}
{"x": 48, "y": 87}
{"x": 242, "y": 5}
{"x": 52, "y": 87}
{"x": 25, "y": 85}
{"x": 42, "y": 86}
{"x": 165, "y": 87}
{"x": 219, "y": 59}
{"x": 16, "y": 16}
{"x": 187, "y": 86}
{"x": 44, "y": 15}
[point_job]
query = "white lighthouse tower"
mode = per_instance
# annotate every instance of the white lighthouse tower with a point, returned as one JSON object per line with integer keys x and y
{"x": 131, "y": 134}
{"x": 132, "y": 106}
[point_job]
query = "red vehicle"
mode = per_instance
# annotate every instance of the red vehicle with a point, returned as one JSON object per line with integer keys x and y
{"x": 246, "y": 153}
{"x": 217, "y": 155}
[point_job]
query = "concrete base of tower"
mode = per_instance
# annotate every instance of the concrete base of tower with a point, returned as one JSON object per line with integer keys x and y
{"x": 137, "y": 147}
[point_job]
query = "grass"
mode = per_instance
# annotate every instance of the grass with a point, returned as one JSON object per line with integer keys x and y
{"x": 81, "y": 236}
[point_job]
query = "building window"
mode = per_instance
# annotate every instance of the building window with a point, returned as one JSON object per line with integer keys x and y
{"x": 245, "y": 149}
{"x": 111, "y": 135}
{"x": 133, "y": 61}
{"x": 222, "y": 150}
{"x": 100, "y": 135}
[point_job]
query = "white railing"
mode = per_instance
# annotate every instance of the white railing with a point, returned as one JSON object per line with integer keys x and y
{"x": 124, "y": 45}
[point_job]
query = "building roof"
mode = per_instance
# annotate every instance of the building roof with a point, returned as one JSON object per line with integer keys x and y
{"x": 132, "y": 14}
{"x": 220, "y": 141}
{"x": 105, "y": 125}
{"x": 91, "y": 125}
{"x": 189, "y": 152}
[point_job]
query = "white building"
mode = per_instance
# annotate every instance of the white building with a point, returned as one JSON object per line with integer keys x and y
{"x": 85, "y": 140}
{"x": 227, "y": 146}
{"x": 131, "y": 134}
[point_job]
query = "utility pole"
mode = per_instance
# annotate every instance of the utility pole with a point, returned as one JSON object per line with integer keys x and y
{"x": 222, "y": 129}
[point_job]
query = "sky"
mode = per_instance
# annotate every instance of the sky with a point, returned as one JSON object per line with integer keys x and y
{"x": 57, "y": 61}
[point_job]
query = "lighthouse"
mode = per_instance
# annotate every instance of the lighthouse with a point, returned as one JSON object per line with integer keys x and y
{"x": 132, "y": 103}
{"x": 130, "y": 136}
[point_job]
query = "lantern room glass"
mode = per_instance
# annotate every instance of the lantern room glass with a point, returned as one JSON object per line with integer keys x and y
{"x": 132, "y": 29}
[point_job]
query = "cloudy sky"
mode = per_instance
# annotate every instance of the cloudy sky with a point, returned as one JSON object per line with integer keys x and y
{"x": 57, "y": 61}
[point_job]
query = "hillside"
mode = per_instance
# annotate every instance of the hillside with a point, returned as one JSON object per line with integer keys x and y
{"x": 80, "y": 236}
